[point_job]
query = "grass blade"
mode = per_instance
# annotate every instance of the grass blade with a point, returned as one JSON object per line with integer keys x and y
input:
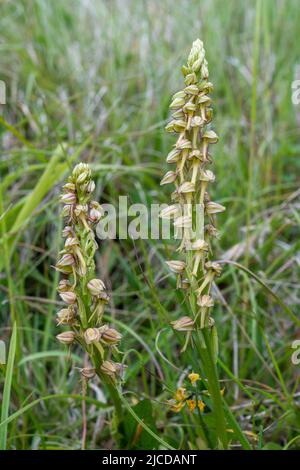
{"x": 7, "y": 386}
{"x": 267, "y": 288}
{"x": 136, "y": 417}
{"x": 58, "y": 396}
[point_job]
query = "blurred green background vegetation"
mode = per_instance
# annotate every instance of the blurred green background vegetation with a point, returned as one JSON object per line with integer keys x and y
{"x": 92, "y": 80}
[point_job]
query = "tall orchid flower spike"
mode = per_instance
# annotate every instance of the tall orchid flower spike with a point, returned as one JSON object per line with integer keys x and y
{"x": 84, "y": 294}
{"x": 193, "y": 213}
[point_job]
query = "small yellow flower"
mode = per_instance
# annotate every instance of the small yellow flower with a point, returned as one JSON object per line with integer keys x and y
{"x": 193, "y": 377}
{"x": 191, "y": 404}
{"x": 176, "y": 406}
{"x": 180, "y": 394}
{"x": 251, "y": 435}
{"x": 222, "y": 391}
{"x": 201, "y": 405}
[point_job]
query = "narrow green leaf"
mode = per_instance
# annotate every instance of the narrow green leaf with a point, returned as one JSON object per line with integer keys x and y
{"x": 267, "y": 288}
{"x": 48, "y": 355}
{"x": 2, "y": 353}
{"x": 27, "y": 407}
{"x": 136, "y": 417}
{"x": 7, "y": 386}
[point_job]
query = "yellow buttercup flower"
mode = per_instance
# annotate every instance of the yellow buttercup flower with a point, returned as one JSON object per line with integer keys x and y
{"x": 191, "y": 404}
{"x": 180, "y": 394}
{"x": 176, "y": 406}
{"x": 193, "y": 377}
{"x": 201, "y": 405}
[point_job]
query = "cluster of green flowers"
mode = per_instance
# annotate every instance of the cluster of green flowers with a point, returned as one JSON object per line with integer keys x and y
{"x": 85, "y": 296}
{"x": 192, "y": 210}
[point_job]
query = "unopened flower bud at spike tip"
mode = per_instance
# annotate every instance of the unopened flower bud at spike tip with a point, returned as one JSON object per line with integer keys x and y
{"x": 90, "y": 187}
{"x": 190, "y": 78}
{"x": 196, "y": 62}
{"x": 81, "y": 173}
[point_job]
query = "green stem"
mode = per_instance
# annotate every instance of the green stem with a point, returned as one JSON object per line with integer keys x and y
{"x": 211, "y": 373}
{"x": 113, "y": 392}
{"x": 213, "y": 386}
{"x": 115, "y": 396}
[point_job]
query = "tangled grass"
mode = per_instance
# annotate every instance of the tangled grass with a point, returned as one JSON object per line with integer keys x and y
{"x": 85, "y": 82}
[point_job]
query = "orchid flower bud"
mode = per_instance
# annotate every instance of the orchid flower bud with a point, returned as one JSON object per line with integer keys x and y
{"x": 174, "y": 156}
{"x": 66, "y": 316}
{"x": 67, "y": 337}
{"x": 68, "y": 198}
{"x": 169, "y": 177}
{"x": 95, "y": 286}
{"x": 68, "y": 297}
{"x": 88, "y": 372}
{"x": 111, "y": 336}
{"x": 214, "y": 267}
{"x": 214, "y": 208}
{"x": 92, "y": 335}
{"x": 183, "y": 324}
{"x": 170, "y": 212}
{"x": 109, "y": 368}
{"x": 176, "y": 266}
